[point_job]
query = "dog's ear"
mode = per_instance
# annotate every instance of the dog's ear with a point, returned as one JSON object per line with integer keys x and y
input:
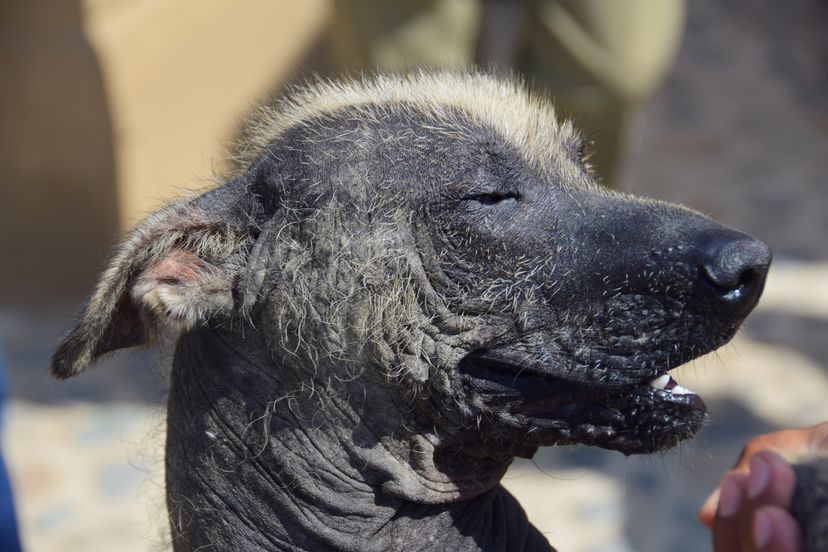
{"x": 174, "y": 271}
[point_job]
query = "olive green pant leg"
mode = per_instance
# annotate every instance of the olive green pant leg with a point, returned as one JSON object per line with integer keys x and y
{"x": 601, "y": 60}
{"x": 389, "y": 35}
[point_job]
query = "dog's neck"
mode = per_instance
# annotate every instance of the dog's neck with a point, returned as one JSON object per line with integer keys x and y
{"x": 264, "y": 457}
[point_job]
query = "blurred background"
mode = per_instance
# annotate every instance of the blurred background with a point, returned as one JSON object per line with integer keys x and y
{"x": 110, "y": 107}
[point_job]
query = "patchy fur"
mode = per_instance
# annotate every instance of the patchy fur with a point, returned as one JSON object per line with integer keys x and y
{"x": 526, "y": 122}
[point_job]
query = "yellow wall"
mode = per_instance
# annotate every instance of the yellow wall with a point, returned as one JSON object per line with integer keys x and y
{"x": 111, "y": 106}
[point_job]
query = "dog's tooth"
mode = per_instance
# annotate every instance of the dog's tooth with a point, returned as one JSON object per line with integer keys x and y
{"x": 660, "y": 382}
{"x": 679, "y": 390}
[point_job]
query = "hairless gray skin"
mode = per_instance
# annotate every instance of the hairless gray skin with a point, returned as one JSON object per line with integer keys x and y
{"x": 406, "y": 283}
{"x": 809, "y": 504}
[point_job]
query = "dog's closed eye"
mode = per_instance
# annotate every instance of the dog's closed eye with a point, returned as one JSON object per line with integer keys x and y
{"x": 492, "y": 198}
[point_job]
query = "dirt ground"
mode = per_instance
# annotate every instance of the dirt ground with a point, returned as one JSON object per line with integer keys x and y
{"x": 740, "y": 131}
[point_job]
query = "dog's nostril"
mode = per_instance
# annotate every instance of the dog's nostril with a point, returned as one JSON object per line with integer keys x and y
{"x": 748, "y": 278}
{"x": 730, "y": 280}
{"x": 746, "y": 289}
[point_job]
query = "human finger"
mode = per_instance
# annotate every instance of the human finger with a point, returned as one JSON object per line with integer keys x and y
{"x": 732, "y": 497}
{"x": 708, "y": 510}
{"x": 771, "y": 480}
{"x": 775, "y": 530}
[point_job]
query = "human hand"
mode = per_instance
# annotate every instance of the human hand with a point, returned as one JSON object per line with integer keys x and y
{"x": 750, "y": 510}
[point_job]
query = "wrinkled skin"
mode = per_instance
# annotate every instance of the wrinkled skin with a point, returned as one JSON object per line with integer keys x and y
{"x": 403, "y": 308}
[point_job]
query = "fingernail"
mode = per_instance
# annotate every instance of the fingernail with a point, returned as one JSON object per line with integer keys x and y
{"x": 712, "y": 499}
{"x": 759, "y": 477}
{"x": 762, "y": 529}
{"x": 729, "y": 498}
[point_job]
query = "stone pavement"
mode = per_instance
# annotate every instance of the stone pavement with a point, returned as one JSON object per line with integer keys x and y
{"x": 87, "y": 476}
{"x": 740, "y": 131}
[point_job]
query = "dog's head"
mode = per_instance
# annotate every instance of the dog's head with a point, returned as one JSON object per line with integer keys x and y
{"x": 445, "y": 232}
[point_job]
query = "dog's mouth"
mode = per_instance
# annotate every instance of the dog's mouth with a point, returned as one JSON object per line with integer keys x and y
{"x": 642, "y": 417}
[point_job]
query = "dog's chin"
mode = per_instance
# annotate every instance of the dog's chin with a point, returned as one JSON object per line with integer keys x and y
{"x": 542, "y": 410}
{"x": 636, "y": 421}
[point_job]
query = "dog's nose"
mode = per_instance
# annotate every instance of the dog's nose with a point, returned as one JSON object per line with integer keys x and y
{"x": 733, "y": 268}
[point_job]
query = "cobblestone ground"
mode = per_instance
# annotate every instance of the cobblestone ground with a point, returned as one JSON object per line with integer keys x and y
{"x": 740, "y": 131}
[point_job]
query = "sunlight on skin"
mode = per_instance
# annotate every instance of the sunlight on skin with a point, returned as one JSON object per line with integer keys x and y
{"x": 749, "y": 510}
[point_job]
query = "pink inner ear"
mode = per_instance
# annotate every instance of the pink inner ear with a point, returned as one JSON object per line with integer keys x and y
{"x": 178, "y": 267}
{"x": 181, "y": 290}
